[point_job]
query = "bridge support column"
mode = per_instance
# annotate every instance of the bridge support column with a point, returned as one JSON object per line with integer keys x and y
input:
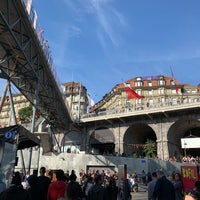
{"x": 162, "y": 139}
{"x": 35, "y": 101}
{"x": 119, "y": 132}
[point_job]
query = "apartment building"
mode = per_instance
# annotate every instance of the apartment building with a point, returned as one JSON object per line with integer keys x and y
{"x": 158, "y": 91}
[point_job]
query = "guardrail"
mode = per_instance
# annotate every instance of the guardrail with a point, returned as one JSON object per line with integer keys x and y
{"x": 117, "y": 113}
{"x": 43, "y": 42}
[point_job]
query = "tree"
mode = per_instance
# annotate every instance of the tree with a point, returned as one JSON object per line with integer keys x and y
{"x": 25, "y": 114}
{"x": 150, "y": 148}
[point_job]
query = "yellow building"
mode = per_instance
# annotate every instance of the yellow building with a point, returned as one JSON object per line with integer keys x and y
{"x": 158, "y": 91}
{"x": 6, "y": 115}
{"x": 75, "y": 98}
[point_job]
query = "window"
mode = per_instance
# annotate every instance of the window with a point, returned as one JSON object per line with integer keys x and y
{"x": 76, "y": 89}
{"x": 139, "y": 92}
{"x": 138, "y": 101}
{"x": 172, "y": 82}
{"x": 161, "y": 91}
{"x": 161, "y": 82}
{"x": 173, "y": 91}
{"x": 138, "y": 83}
{"x": 68, "y": 89}
{"x": 138, "y": 78}
{"x": 149, "y": 84}
{"x": 150, "y": 92}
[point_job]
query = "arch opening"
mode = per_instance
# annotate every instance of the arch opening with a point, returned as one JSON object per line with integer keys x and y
{"x": 185, "y": 128}
{"x": 135, "y": 138}
{"x": 102, "y": 142}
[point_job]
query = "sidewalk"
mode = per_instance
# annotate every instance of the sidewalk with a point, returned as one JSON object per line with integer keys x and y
{"x": 142, "y": 193}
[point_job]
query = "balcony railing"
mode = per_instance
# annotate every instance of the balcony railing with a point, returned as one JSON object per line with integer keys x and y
{"x": 140, "y": 109}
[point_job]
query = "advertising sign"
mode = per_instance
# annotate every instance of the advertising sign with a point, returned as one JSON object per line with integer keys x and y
{"x": 190, "y": 143}
{"x": 189, "y": 176}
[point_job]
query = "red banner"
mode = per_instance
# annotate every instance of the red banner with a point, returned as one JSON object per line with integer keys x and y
{"x": 189, "y": 176}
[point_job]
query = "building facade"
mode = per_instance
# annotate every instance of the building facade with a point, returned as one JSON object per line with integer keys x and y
{"x": 76, "y": 98}
{"x": 6, "y": 115}
{"x": 158, "y": 91}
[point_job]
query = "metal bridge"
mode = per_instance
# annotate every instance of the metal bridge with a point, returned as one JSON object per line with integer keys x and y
{"x": 26, "y": 62}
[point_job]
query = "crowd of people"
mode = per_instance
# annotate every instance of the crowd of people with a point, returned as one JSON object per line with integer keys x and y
{"x": 191, "y": 159}
{"x": 165, "y": 188}
{"x": 57, "y": 185}
{"x": 94, "y": 185}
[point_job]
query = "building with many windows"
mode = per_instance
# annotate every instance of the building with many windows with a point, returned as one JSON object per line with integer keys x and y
{"x": 158, "y": 91}
{"x": 6, "y": 115}
{"x": 75, "y": 98}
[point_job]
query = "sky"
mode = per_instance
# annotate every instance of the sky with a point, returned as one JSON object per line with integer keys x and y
{"x": 101, "y": 43}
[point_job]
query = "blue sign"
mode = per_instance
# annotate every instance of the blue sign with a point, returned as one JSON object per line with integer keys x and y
{"x": 9, "y": 135}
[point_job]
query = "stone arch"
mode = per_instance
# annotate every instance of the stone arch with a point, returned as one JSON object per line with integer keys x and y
{"x": 101, "y": 141}
{"x": 180, "y": 129}
{"x": 135, "y": 138}
{"x": 73, "y": 142}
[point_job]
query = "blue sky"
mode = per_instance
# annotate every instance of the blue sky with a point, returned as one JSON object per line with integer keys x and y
{"x": 104, "y": 42}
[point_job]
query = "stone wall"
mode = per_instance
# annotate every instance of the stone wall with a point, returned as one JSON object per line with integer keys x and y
{"x": 69, "y": 161}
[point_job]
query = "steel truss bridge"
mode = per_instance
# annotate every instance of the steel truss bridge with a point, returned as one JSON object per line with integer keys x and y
{"x": 26, "y": 62}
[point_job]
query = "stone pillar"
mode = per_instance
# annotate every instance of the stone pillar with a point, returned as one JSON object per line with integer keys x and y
{"x": 161, "y": 131}
{"x": 119, "y": 132}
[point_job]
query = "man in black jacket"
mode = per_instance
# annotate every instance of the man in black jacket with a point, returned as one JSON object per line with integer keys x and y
{"x": 97, "y": 191}
{"x": 164, "y": 189}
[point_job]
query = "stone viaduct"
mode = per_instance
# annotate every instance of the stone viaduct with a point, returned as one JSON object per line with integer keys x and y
{"x": 165, "y": 126}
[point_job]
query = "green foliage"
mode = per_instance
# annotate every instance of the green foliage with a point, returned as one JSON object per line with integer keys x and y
{"x": 150, "y": 148}
{"x": 25, "y": 114}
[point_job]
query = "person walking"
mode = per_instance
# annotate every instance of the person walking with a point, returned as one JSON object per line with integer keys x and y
{"x": 111, "y": 190}
{"x": 74, "y": 191}
{"x": 97, "y": 191}
{"x": 57, "y": 188}
{"x": 178, "y": 186}
{"x": 43, "y": 183}
{"x": 164, "y": 189}
{"x": 151, "y": 185}
{"x": 32, "y": 187}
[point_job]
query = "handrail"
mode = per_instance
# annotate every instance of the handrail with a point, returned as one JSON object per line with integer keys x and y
{"x": 143, "y": 110}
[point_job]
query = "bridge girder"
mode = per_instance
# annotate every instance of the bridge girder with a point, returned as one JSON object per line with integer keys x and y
{"x": 24, "y": 62}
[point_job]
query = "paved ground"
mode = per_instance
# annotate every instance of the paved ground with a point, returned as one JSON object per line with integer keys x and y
{"x": 141, "y": 194}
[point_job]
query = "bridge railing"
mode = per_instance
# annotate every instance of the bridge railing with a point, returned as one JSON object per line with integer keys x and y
{"x": 37, "y": 29}
{"x": 138, "y": 109}
{"x": 41, "y": 39}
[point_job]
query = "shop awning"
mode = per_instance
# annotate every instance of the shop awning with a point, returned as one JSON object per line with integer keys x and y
{"x": 26, "y": 138}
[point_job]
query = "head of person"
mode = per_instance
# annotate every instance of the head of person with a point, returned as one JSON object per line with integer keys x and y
{"x": 193, "y": 195}
{"x": 32, "y": 180}
{"x": 16, "y": 180}
{"x": 112, "y": 182}
{"x": 160, "y": 173}
{"x": 98, "y": 179}
{"x": 60, "y": 175}
{"x": 177, "y": 176}
{"x": 73, "y": 191}
{"x": 197, "y": 186}
{"x": 42, "y": 171}
{"x": 154, "y": 175}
